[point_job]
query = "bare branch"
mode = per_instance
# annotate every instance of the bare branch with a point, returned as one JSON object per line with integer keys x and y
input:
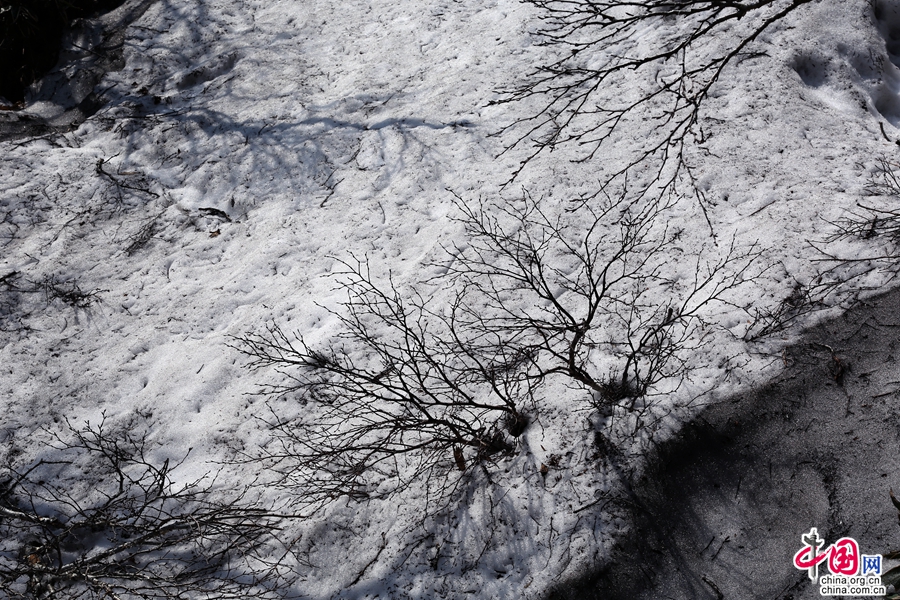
{"x": 107, "y": 522}
{"x": 415, "y": 389}
{"x": 661, "y": 83}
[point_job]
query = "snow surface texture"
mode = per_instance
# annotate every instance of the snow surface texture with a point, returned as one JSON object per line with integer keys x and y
{"x": 246, "y": 145}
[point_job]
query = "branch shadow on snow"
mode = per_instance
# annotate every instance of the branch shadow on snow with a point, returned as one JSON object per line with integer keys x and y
{"x": 719, "y": 511}
{"x": 94, "y": 511}
{"x": 310, "y": 156}
{"x": 479, "y": 537}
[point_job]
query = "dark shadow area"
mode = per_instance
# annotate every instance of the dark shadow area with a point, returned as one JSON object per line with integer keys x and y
{"x": 813, "y": 70}
{"x": 66, "y": 48}
{"x": 720, "y": 509}
{"x": 887, "y": 19}
{"x": 31, "y": 32}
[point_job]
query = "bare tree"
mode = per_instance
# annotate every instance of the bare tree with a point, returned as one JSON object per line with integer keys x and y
{"x": 594, "y": 286}
{"x": 660, "y": 84}
{"x": 97, "y": 519}
{"x": 414, "y": 387}
{"x": 403, "y": 390}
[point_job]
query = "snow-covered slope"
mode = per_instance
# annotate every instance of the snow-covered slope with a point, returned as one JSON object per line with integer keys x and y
{"x": 245, "y": 146}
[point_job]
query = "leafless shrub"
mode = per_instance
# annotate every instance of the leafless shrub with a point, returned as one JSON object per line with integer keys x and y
{"x": 566, "y": 291}
{"x": 19, "y": 297}
{"x": 402, "y": 385}
{"x": 96, "y": 518}
{"x": 870, "y": 222}
{"x": 142, "y": 236}
{"x": 67, "y": 291}
{"x": 415, "y": 387}
{"x": 874, "y": 224}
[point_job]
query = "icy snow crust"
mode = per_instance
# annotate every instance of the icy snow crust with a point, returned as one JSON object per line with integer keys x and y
{"x": 320, "y": 130}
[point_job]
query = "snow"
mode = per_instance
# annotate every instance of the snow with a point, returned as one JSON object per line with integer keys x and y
{"x": 323, "y": 130}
